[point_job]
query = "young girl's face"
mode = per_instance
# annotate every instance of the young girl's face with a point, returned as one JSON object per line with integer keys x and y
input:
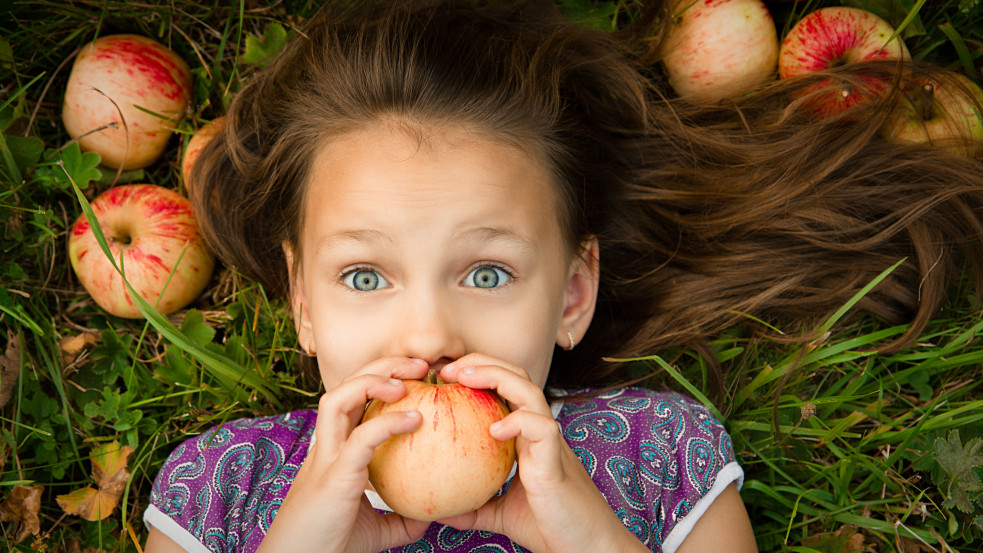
{"x": 434, "y": 248}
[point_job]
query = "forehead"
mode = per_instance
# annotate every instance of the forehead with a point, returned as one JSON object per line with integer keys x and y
{"x": 384, "y": 175}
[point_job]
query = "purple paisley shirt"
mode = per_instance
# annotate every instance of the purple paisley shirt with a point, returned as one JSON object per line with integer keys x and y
{"x": 659, "y": 458}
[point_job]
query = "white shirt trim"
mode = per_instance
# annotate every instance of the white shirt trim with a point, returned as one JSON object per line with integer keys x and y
{"x": 730, "y": 474}
{"x": 170, "y": 528}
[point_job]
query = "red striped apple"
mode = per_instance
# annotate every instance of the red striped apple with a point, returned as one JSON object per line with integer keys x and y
{"x": 717, "y": 49}
{"x": 128, "y": 72}
{"x": 835, "y": 36}
{"x": 944, "y": 113}
{"x": 450, "y": 464}
{"x": 199, "y": 139}
{"x": 152, "y": 231}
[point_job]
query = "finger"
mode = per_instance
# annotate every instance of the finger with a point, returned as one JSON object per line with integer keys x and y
{"x": 477, "y": 359}
{"x": 340, "y": 409}
{"x": 520, "y": 392}
{"x": 394, "y": 367}
{"x": 360, "y": 446}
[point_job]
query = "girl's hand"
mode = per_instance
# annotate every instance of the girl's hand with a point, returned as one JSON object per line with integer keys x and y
{"x": 553, "y": 505}
{"x": 326, "y": 509}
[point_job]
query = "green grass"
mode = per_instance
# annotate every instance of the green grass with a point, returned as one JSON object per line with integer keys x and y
{"x": 838, "y": 444}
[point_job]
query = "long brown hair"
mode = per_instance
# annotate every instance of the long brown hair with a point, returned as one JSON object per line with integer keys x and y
{"x": 704, "y": 214}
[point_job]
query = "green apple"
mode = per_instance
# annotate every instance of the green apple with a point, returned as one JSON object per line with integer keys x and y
{"x": 942, "y": 112}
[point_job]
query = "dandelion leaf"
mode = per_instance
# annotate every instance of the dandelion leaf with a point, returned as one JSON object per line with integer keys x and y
{"x": 958, "y": 461}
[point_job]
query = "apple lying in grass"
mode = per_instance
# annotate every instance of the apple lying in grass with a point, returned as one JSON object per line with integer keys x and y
{"x": 199, "y": 139}
{"x": 830, "y": 37}
{"x": 450, "y": 464}
{"x": 944, "y": 113}
{"x": 153, "y": 233}
{"x": 717, "y": 49}
{"x": 128, "y": 75}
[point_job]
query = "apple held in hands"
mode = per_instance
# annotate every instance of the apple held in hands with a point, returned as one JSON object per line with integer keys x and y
{"x": 944, "y": 113}
{"x": 717, "y": 49}
{"x": 835, "y": 36}
{"x": 152, "y": 232}
{"x": 450, "y": 464}
{"x": 124, "y": 72}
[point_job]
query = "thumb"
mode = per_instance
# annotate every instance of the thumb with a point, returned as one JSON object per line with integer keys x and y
{"x": 488, "y": 517}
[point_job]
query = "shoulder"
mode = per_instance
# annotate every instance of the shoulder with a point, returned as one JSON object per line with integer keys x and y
{"x": 225, "y": 485}
{"x": 657, "y": 456}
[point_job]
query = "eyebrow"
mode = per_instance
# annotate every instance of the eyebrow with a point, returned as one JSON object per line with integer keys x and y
{"x": 497, "y": 233}
{"x": 365, "y": 236}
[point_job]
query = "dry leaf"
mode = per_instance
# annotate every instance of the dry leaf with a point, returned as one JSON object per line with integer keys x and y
{"x": 9, "y": 368}
{"x": 22, "y": 506}
{"x": 109, "y": 471}
{"x": 844, "y": 540}
{"x": 72, "y": 346}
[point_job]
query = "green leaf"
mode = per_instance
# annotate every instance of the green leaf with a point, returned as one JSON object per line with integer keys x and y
{"x": 81, "y": 168}
{"x": 6, "y": 52}
{"x": 595, "y": 16}
{"x": 260, "y": 50}
{"x": 195, "y": 327}
{"x": 958, "y": 461}
{"x": 25, "y": 151}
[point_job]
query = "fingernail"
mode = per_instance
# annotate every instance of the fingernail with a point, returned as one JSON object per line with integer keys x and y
{"x": 495, "y": 426}
{"x": 419, "y": 362}
{"x": 394, "y": 381}
{"x": 468, "y": 370}
{"x": 411, "y": 414}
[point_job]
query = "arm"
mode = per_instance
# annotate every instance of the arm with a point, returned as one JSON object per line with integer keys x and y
{"x": 157, "y": 542}
{"x": 723, "y": 528}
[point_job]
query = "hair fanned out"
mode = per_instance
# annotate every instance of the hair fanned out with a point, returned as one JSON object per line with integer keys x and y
{"x": 705, "y": 214}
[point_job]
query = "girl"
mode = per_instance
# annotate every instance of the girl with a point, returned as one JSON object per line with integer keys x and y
{"x": 434, "y": 185}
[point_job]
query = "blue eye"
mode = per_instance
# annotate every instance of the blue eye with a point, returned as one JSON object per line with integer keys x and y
{"x": 365, "y": 280}
{"x": 487, "y": 277}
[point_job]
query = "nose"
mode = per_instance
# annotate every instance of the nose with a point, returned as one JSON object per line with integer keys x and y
{"x": 426, "y": 329}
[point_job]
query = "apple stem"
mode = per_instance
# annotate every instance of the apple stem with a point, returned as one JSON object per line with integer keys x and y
{"x": 431, "y": 377}
{"x": 928, "y": 95}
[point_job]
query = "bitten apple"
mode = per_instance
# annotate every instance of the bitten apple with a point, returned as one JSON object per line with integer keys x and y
{"x": 152, "y": 231}
{"x": 450, "y": 464}
{"x": 199, "y": 139}
{"x": 941, "y": 112}
{"x": 717, "y": 49}
{"x": 128, "y": 72}
{"x": 835, "y": 36}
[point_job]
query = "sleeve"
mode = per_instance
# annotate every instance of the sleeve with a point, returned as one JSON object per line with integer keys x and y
{"x": 219, "y": 492}
{"x": 689, "y": 452}
{"x": 659, "y": 458}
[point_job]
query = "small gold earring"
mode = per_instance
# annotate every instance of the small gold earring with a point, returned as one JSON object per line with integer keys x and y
{"x": 309, "y": 350}
{"x": 572, "y": 342}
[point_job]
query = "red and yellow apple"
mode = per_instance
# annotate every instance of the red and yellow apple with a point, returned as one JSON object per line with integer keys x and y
{"x": 717, "y": 49}
{"x": 125, "y": 74}
{"x": 198, "y": 140}
{"x": 450, "y": 464}
{"x": 830, "y": 37}
{"x": 940, "y": 112}
{"x": 153, "y": 233}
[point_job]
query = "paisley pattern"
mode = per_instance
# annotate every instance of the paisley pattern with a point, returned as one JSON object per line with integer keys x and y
{"x": 652, "y": 455}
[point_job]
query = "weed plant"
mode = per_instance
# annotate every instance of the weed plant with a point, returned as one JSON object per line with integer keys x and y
{"x": 843, "y": 449}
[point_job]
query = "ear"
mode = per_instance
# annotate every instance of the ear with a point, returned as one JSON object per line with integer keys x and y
{"x": 298, "y": 302}
{"x": 581, "y": 295}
